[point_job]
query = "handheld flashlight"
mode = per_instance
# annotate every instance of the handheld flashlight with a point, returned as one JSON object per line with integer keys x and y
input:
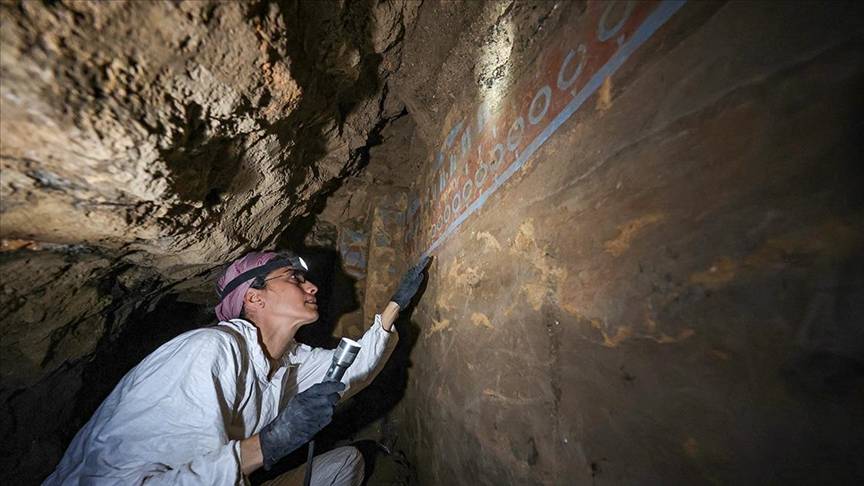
{"x": 342, "y": 359}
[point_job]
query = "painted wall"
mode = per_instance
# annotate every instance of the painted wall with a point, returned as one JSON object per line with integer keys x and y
{"x": 648, "y": 256}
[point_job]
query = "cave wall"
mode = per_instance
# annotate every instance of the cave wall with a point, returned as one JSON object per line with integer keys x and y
{"x": 187, "y": 132}
{"x": 142, "y": 145}
{"x": 75, "y": 321}
{"x": 648, "y": 266}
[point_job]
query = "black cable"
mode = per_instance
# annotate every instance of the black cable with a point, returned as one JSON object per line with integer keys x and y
{"x": 308, "y": 479}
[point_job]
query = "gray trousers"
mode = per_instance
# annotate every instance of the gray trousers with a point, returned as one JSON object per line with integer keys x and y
{"x": 342, "y": 466}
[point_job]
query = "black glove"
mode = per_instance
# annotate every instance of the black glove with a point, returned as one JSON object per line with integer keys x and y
{"x": 410, "y": 283}
{"x": 305, "y": 415}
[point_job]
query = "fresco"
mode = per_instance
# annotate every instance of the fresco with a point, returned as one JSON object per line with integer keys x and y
{"x": 481, "y": 152}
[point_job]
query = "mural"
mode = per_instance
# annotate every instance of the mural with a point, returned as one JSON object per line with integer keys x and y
{"x": 481, "y": 152}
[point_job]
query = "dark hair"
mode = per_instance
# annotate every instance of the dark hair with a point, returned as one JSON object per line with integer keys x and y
{"x": 257, "y": 283}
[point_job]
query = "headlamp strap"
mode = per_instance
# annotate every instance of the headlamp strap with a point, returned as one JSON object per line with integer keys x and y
{"x": 262, "y": 270}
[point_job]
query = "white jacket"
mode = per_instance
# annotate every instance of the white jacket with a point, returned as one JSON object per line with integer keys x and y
{"x": 178, "y": 417}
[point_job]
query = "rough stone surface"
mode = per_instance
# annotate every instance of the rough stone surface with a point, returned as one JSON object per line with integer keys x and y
{"x": 62, "y": 307}
{"x": 143, "y": 144}
{"x": 186, "y": 131}
{"x": 670, "y": 289}
{"x": 55, "y": 305}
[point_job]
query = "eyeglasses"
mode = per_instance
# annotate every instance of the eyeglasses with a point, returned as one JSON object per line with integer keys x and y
{"x": 292, "y": 277}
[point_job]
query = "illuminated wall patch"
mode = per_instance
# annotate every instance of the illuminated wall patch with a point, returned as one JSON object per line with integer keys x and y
{"x": 480, "y": 153}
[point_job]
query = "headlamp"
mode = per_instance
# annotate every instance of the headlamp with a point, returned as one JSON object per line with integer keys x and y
{"x": 286, "y": 259}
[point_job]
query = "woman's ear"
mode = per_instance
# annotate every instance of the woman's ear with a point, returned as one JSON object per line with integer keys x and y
{"x": 253, "y": 300}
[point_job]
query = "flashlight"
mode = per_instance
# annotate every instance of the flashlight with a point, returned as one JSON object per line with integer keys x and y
{"x": 342, "y": 359}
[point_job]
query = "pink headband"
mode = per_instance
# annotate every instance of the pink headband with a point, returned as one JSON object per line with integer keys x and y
{"x": 231, "y": 304}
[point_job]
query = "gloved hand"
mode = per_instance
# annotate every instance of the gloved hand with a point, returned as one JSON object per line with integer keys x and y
{"x": 305, "y": 415}
{"x": 410, "y": 283}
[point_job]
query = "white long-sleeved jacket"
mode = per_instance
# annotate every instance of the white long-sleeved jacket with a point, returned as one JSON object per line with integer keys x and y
{"x": 178, "y": 417}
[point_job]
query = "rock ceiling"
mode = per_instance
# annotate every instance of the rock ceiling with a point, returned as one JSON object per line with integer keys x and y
{"x": 186, "y": 132}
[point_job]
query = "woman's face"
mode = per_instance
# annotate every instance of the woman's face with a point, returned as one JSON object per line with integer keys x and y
{"x": 288, "y": 295}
